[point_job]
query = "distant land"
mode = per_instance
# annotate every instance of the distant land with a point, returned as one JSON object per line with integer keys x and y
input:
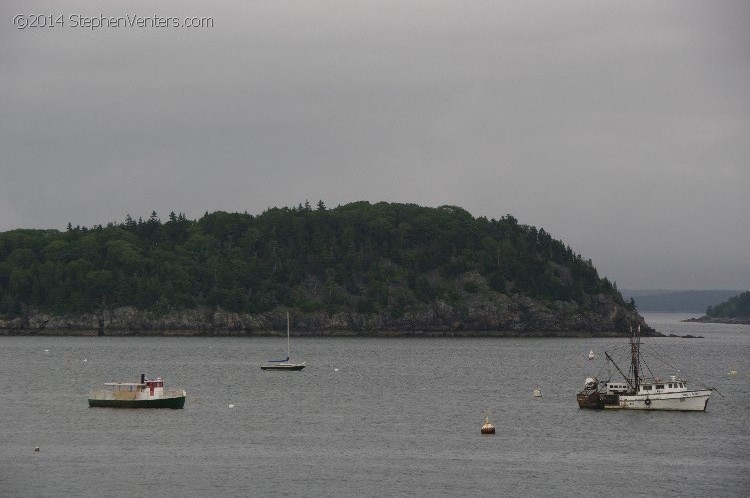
{"x": 357, "y": 269}
{"x": 734, "y": 310}
{"x": 689, "y": 301}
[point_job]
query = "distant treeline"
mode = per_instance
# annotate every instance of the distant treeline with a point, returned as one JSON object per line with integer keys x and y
{"x": 737, "y": 306}
{"x": 692, "y": 301}
{"x": 360, "y": 256}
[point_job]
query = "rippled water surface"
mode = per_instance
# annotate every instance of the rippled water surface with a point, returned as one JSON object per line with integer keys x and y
{"x": 375, "y": 417}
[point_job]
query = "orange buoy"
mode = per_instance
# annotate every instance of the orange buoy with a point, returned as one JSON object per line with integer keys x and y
{"x": 488, "y": 428}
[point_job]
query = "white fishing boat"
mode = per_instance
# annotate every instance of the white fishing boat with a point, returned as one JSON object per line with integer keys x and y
{"x": 638, "y": 392}
{"x": 144, "y": 394}
{"x": 284, "y": 364}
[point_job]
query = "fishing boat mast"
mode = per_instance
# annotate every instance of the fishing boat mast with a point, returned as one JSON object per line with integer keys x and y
{"x": 627, "y": 378}
{"x": 635, "y": 343}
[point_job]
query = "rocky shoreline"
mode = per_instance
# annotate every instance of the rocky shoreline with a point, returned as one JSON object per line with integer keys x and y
{"x": 316, "y": 333}
{"x": 732, "y": 320}
{"x": 508, "y": 317}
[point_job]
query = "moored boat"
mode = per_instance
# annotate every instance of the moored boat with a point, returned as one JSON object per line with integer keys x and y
{"x": 144, "y": 394}
{"x": 284, "y": 364}
{"x": 637, "y": 392}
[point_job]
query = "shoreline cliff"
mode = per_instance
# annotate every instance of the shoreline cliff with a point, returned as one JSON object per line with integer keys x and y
{"x": 516, "y": 316}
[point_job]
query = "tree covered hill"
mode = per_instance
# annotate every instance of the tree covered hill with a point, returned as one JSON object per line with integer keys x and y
{"x": 734, "y": 307}
{"x": 736, "y": 310}
{"x": 357, "y": 267}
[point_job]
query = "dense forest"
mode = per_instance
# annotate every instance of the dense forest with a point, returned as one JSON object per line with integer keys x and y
{"x": 734, "y": 307}
{"x": 360, "y": 257}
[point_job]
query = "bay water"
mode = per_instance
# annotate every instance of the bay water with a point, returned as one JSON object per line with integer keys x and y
{"x": 367, "y": 417}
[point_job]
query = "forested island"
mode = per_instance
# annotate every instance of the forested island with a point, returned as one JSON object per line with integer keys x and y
{"x": 357, "y": 269}
{"x": 734, "y": 310}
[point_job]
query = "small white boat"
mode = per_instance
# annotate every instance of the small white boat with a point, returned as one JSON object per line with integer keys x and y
{"x": 591, "y": 354}
{"x": 537, "y": 393}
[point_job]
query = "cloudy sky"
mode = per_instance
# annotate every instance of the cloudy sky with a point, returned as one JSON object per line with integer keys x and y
{"x": 621, "y": 127}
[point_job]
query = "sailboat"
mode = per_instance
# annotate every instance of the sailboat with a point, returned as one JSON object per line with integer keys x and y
{"x": 284, "y": 364}
{"x": 638, "y": 392}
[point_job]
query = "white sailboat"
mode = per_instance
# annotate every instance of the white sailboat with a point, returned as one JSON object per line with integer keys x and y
{"x": 284, "y": 364}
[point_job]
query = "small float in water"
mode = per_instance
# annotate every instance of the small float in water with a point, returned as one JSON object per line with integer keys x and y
{"x": 143, "y": 394}
{"x": 537, "y": 393}
{"x": 488, "y": 428}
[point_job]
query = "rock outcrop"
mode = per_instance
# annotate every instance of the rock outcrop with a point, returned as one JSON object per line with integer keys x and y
{"x": 483, "y": 314}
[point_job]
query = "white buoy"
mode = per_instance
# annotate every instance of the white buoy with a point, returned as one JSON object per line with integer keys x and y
{"x": 537, "y": 393}
{"x": 231, "y": 406}
{"x": 335, "y": 369}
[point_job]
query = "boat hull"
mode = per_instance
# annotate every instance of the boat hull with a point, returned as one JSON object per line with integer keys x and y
{"x": 174, "y": 403}
{"x": 596, "y": 401}
{"x": 689, "y": 401}
{"x": 289, "y": 368}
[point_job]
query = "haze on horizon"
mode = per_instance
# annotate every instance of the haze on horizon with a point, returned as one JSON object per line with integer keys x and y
{"x": 621, "y": 128}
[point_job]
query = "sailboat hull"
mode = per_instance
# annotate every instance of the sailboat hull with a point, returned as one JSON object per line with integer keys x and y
{"x": 281, "y": 366}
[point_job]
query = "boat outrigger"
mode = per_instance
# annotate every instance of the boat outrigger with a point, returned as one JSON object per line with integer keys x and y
{"x": 144, "y": 394}
{"x": 637, "y": 392}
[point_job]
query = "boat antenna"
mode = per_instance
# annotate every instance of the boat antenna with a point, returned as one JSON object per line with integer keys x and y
{"x": 287, "y": 334}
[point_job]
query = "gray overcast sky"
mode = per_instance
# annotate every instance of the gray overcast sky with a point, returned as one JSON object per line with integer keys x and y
{"x": 621, "y": 127}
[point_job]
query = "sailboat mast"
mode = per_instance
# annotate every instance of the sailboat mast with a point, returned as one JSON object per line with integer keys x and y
{"x": 287, "y": 334}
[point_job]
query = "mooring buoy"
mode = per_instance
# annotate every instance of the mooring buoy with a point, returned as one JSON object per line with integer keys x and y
{"x": 488, "y": 428}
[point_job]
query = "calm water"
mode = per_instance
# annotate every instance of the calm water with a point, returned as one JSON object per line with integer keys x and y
{"x": 375, "y": 417}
